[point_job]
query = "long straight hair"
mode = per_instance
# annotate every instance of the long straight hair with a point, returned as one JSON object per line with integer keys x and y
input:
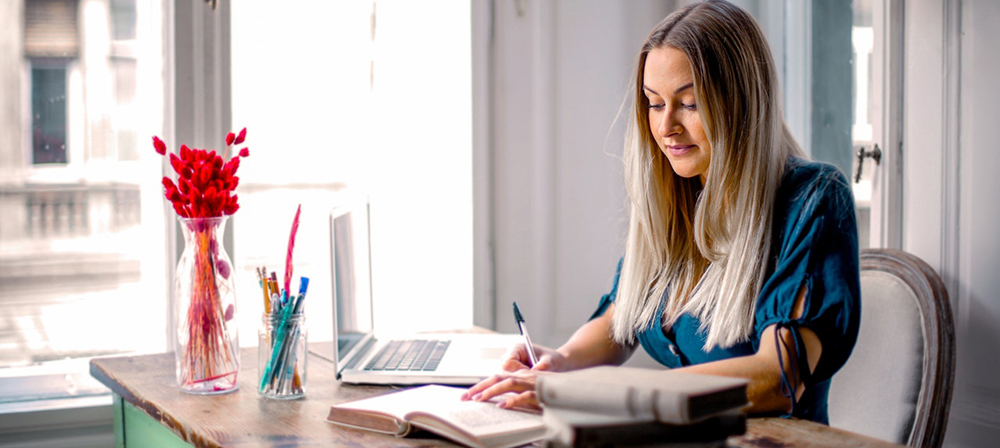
{"x": 705, "y": 248}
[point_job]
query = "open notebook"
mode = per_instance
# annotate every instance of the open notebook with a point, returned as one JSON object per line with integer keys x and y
{"x": 361, "y": 357}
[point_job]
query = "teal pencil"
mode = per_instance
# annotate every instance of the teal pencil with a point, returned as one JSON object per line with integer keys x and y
{"x": 279, "y": 342}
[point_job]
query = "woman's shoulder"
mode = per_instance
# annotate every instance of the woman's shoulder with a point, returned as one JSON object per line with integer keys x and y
{"x": 808, "y": 180}
{"x": 810, "y": 189}
{"x": 799, "y": 171}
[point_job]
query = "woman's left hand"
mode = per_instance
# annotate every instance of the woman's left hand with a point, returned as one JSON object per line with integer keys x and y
{"x": 521, "y": 383}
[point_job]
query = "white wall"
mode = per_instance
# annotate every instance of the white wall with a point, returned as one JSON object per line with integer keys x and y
{"x": 557, "y": 213}
{"x": 561, "y": 71}
{"x": 975, "y": 418}
{"x": 951, "y": 190}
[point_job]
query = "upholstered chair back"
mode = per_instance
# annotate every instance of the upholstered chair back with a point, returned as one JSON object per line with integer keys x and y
{"x": 897, "y": 384}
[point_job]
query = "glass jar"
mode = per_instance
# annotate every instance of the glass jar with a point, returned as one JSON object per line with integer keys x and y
{"x": 282, "y": 355}
{"x": 208, "y": 347}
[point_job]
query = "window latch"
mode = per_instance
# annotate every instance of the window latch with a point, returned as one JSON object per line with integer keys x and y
{"x": 875, "y": 154}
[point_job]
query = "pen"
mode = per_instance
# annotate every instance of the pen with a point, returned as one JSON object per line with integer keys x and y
{"x": 524, "y": 332}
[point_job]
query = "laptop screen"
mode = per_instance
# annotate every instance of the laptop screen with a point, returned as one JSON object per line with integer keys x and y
{"x": 351, "y": 275}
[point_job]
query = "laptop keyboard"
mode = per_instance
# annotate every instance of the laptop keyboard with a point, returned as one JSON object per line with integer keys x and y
{"x": 409, "y": 355}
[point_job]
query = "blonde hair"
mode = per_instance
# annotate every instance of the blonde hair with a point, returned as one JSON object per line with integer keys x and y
{"x": 705, "y": 247}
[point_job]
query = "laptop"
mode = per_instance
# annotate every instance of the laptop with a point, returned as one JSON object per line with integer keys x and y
{"x": 360, "y": 356}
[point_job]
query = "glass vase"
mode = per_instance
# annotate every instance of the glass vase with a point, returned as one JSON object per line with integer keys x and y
{"x": 208, "y": 349}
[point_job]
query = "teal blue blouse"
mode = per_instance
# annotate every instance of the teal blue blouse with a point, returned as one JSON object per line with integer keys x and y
{"x": 814, "y": 243}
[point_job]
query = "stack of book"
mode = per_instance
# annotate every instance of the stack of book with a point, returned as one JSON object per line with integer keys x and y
{"x": 632, "y": 407}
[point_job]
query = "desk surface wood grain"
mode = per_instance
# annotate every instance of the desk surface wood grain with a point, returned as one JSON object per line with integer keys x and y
{"x": 245, "y": 419}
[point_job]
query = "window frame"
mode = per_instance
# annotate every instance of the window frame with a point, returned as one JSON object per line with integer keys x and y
{"x": 196, "y": 108}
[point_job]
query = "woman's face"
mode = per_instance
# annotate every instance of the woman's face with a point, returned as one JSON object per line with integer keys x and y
{"x": 673, "y": 115}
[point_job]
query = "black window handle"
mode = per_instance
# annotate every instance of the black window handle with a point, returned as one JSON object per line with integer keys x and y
{"x": 875, "y": 154}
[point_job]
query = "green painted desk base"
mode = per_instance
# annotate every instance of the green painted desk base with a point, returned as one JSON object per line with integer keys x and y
{"x": 137, "y": 426}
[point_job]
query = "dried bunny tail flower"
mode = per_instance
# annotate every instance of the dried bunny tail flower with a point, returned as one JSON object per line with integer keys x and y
{"x": 177, "y": 164}
{"x": 161, "y": 148}
{"x": 230, "y": 137}
{"x": 232, "y": 205}
{"x": 241, "y": 137}
{"x": 245, "y": 152}
{"x": 181, "y": 211}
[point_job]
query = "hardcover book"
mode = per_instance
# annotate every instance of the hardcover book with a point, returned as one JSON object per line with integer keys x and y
{"x": 643, "y": 394}
{"x": 579, "y": 429}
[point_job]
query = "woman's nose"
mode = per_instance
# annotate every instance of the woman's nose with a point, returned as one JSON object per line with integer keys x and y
{"x": 668, "y": 125}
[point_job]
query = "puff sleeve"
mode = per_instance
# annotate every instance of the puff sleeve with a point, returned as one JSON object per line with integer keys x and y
{"x": 817, "y": 249}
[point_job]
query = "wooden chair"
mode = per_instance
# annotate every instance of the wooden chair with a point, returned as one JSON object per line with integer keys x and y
{"x": 897, "y": 385}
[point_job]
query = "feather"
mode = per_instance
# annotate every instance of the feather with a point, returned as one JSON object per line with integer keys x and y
{"x": 291, "y": 245}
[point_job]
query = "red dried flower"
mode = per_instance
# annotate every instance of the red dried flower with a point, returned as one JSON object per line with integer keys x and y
{"x": 176, "y": 163}
{"x": 205, "y": 182}
{"x": 161, "y": 148}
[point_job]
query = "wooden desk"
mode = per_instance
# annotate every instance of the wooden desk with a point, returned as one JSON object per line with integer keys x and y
{"x": 151, "y": 411}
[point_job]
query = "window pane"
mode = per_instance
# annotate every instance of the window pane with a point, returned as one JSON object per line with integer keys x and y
{"x": 123, "y": 19}
{"x": 306, "y": 142}
{"x": 823, "y": 48}
{"x": 82, "y": 250}
{"x": 48, "y": 114}
{"x": 863, "y": 42}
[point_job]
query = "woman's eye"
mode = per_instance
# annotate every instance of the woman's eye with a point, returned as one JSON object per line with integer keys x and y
{"x": 656, "y": 106}
{"x": 691, "y": 106}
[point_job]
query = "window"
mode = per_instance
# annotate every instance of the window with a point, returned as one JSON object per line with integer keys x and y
{"x": 82, "y": 240}
{"x": 383, "y": 109}
{"x": 123, "y": 19}
{"x": 824, "y": 49}
{"x": 48, "y": 112}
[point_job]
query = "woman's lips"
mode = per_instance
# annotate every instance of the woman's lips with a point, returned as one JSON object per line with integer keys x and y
{"x": 679, "y": 150}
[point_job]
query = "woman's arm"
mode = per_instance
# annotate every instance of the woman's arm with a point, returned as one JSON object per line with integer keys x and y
{"x": 764, "y": 371}
{"x": 587, "y": 348}
{"x": 592, "y": 345}
{"x": 763, "y": 368}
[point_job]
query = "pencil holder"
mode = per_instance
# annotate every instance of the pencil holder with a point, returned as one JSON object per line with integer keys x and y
{"x": 281, "y": 355}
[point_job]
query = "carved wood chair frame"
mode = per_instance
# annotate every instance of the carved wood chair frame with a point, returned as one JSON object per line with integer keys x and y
{"x": 938, "y": 376}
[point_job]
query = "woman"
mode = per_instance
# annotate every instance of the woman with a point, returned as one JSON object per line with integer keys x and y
{"x": 742, "y": 256}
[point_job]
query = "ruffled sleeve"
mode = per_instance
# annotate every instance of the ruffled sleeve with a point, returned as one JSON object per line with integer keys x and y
{"x": 817, "y": 248}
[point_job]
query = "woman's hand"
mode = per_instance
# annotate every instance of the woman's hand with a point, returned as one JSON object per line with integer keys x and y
{"x": 591, "y": 345}
{"x": 548, "y": 359}
{"x": 518, "y": 377}
{"x": 521, "y": 383}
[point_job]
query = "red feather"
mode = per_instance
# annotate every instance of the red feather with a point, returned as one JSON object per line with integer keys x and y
{"x": 291, "y": 245}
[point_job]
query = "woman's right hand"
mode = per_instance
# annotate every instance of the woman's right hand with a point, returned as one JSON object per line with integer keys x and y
{"x": 548, "y": 359}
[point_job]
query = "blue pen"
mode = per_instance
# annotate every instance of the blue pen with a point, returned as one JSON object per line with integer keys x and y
{"x": 303, "y": 287}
